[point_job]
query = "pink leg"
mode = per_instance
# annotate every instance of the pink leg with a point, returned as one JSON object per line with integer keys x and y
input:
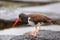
{"x": 34, "y": 32}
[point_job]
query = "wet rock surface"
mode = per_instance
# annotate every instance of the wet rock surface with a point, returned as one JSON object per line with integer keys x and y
{"x": 41, "y": 35}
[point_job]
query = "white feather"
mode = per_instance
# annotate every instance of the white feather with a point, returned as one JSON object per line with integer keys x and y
{"x": 30, "y": 22}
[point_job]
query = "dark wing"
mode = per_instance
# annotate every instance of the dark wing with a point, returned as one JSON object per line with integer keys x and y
{"x": 39, "y": 18}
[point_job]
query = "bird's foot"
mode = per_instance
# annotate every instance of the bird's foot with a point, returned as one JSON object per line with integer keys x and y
{"x": 33, "y": 33}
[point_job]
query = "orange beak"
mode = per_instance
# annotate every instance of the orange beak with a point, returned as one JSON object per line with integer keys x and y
{"x": 15, "y": 23}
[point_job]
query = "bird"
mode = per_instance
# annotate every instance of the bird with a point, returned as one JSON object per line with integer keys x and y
{"x": 33, "y": 19}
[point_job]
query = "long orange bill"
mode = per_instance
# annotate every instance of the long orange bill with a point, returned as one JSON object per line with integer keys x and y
{"x": 15, "y": 23}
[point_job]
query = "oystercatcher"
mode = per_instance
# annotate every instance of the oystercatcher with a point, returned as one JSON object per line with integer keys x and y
{"x": 34, "y": 20}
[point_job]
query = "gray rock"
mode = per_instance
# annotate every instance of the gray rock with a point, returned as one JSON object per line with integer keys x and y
{"x": 41, "y": 35}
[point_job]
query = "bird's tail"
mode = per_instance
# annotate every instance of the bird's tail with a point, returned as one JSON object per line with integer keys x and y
{"x": 54, "y": 21}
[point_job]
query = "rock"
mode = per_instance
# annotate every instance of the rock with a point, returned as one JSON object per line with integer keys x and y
{"x": 41, "y": 35}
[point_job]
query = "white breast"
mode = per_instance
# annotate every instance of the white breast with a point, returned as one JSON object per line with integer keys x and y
{"x": 30, "y": 22}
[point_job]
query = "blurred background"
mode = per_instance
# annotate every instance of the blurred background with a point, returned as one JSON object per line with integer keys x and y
{"x": 10, "y": 9}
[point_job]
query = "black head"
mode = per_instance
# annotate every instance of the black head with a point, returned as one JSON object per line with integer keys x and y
{"x": 24, "y": 18}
